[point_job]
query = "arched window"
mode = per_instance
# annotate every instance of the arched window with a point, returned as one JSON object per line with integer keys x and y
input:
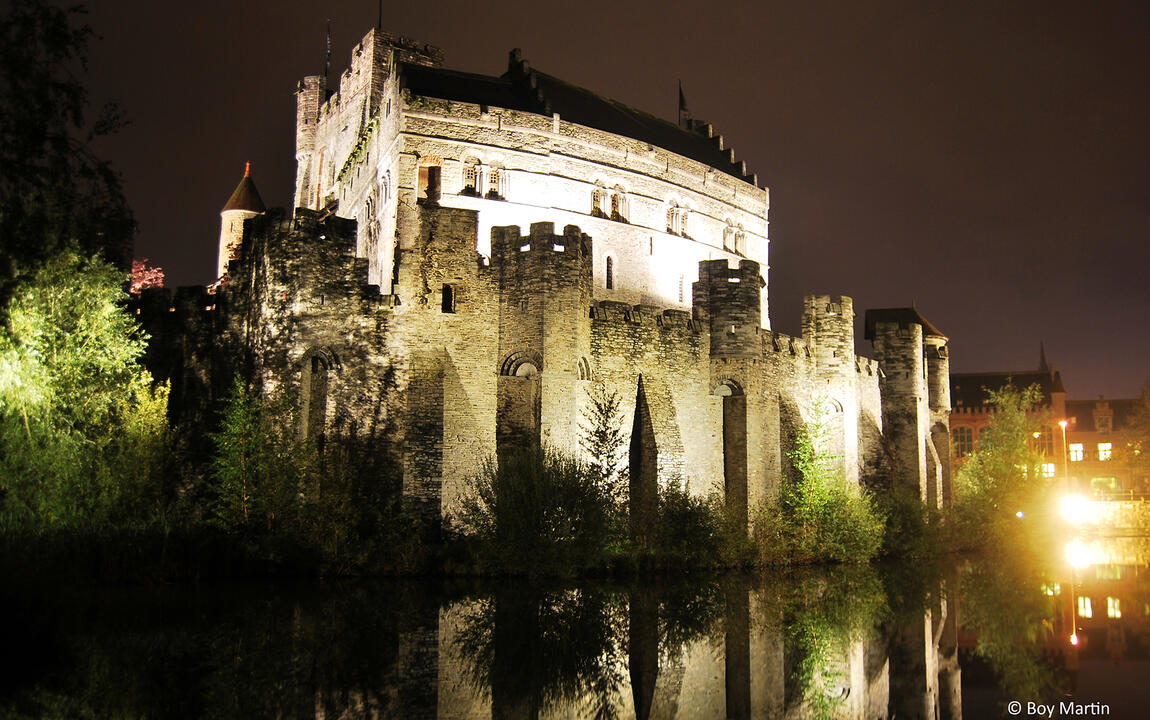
{"x": 618, "y": 204}
{"x": 496, "y": 180}
{"x": 314, "y": 395}
{"x": 470, "y": 180}
{"x": 598, "y": 197}
{"x": 428, "y": 180}
{"x": 729, "y": 236}
{"x": 740, "y": 241}
{"x": 610, "y": 274}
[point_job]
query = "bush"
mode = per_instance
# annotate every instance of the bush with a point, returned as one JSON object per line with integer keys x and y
{"x": 83, "y": 432}
{"x": 537, "y": 507}
{"x": 821, "y": 517}
{"x": 689, "y": 528}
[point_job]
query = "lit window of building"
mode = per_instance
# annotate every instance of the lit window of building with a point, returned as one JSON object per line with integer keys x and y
{"x": 1077, "y": 452}
{"x": 1104, "y": 451}
{"x": 470, "y": 179}
{"x": 597, "y": 197}
{"x": 1104, "y": 484}
{"x": 1113, "y": 609}
{"x": 618, "y": 204}
{"x": 963, "y": 441}
{"x": 1084, "y": 609}
{"x": 496, "y": 184}
{"x": 1048, "y": 470}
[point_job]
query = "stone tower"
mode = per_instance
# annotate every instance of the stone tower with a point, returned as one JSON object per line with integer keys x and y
{"x": 244, "y": 203}
{"x": 915, "y": 399}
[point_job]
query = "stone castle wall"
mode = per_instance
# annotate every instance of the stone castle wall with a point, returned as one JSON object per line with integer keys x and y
{"x": 362, "y": 150}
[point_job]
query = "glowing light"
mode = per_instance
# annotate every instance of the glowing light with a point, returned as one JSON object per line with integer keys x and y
{"x": 1074, "y": 639}
{"x": 1019, "y": 514}
{"x": 1078, "y": 555}
{"x": 1077, "y": 510}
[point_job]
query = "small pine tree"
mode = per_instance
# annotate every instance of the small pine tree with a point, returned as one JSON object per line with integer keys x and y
{"x": 602, "y": 439}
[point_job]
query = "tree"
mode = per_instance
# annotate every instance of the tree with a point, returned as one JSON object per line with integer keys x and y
{"x": 602, "y": 439}
{"x": 821, "y": 516}
{"x": 261, "y": 467}
{"x": 82, "y": 429}
{"x": 1003, "y": 478}
{"x": 1133, "y": 446}
{"x": 55, "y": 193}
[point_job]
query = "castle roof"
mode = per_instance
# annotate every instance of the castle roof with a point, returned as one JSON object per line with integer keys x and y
{"x": 527, "y": 90}
{"x": 1081, "y": 412}
{"x": 970, "y": 389}
{"x": 245, "y": 196}
{"x": 903, "y": 316}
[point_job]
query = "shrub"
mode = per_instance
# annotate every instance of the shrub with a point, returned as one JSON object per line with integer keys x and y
{"x": 821, "y": 517}
{"x": 537, "y": 506}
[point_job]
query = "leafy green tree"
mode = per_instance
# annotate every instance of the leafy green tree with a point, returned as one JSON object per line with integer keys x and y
{"x": 1133, "y": 446}
{"x": 83, "y": 432}
{"x": 821, "y": 517}
{"x": 55, "y": 193}
{"x": 1003, "y": 478}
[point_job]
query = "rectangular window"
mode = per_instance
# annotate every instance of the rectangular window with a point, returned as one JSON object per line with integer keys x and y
{"x": 1113, "y": 609}
{"x": 1077, "y": 452}
{"x": 1084, "y": 609}
{"x": 1104, "y": 423}
{"x": 448, "y": 299}
{"x": 1104, "y": 451}
{"x": 1048, "y": 470}
{"x": 963, "y": 441}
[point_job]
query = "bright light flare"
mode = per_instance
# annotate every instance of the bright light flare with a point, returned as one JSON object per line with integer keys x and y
{"x": 1078, "y": 510}
{"x": 1074, "y": 639}
{"x": 1078, "y": 555}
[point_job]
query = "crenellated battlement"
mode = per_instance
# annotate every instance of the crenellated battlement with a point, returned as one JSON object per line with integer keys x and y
{"x": 611, "y": 311}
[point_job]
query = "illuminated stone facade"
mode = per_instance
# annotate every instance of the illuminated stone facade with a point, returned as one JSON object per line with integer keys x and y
{"x": 505, "y": 257}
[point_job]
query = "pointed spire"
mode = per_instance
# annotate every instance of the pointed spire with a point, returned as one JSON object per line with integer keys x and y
{"x": 245, "y": 196}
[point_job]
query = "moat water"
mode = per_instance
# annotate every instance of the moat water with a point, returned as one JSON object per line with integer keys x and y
{"x": 964, "y": 638}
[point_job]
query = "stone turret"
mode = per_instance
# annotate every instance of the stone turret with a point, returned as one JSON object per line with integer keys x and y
{"x": 907, "y": 348}
{"x": 729, "y": 300}
{"x": 244, "y": 203}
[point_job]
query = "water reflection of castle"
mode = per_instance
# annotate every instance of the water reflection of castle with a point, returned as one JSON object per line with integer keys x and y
{"x": 732, "y": 650}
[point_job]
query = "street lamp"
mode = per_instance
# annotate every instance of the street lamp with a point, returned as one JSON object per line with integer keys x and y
{"x": 1065, "y": 459}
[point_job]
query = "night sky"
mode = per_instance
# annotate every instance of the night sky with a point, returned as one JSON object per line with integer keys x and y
{"x": 988, "y": 161}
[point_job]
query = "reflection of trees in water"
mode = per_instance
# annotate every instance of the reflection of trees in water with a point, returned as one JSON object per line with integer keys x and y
{"x": 529, "y": 650}
{"x": 823, "y": 614}
{"x": 263, "y": 651}
{"x": 1004, "y": 605}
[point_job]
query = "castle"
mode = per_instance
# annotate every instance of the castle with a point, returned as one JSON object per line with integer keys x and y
{"x": 471, "y": 254}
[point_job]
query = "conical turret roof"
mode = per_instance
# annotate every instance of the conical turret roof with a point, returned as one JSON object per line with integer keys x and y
{"x": 245, "y": 197}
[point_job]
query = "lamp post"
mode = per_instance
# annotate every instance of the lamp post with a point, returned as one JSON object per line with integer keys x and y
{"x": 1065, "y": 458}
